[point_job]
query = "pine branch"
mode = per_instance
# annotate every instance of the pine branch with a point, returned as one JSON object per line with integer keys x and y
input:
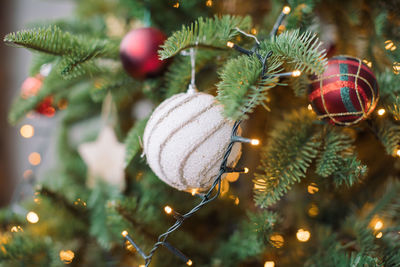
{"x": 335, "y": 143}
{"x": 133, "y": 140}
{"x": 52, "y": 84}
{"x": 248, "y": 241}
{"x": 119, "y": 84}
{"x": 209, "y": 33}
{"x": 302, "y": 51}
{"x": 350, "y": 171}
{"x": 293, "y": 145}
{"x": 179, "y": 72}
{"x": 389, "y": 135}
{"x": 241, "y": 88}
{"x": 77, "y": 52}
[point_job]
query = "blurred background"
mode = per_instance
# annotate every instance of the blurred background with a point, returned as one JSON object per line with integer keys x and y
{"x": 18, "y": 158}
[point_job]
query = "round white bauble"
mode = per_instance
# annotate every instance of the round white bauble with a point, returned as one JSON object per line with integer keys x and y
{"x": 185, "y": 141}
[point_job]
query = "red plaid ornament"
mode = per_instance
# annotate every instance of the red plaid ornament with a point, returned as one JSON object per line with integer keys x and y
{"x": 346, "y": 93}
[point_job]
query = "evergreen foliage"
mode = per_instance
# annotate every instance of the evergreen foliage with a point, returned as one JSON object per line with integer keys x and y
{"x": 300, "y": 51}
{"x": 298, "y": 148}
{"x": 133, "y": 140}
{"x": 293, "y": 144}
{"x": 205, "y": 33}
{"x": 241, "y": 88}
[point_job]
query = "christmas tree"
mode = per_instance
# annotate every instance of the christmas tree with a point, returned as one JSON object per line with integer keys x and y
{"x": 298, "y": 98}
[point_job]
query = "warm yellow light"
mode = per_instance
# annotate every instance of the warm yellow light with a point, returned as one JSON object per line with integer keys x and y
{"x": 32, "y": 217}
{"x": 309, "y": 107}
{"x": 303, "y": 235}
{"x": 286, "y": 10}
{"x": 124, "y": 233}
{"x": 269, "y": 264}
{"x": 396, "y": 68}
{"x": 236, "y": 201}
{"x": 66, "y": 256}
{"x": 313, "y": 210}
{"x": 253, "y": 31}
{"x": 277, "y": 240}
{"x": 398, "y": 152}
{"x": 381, "y": 111}
{"x": 142, "y": 265}
{"x": 167, "y": 209}
{"x": 378, "y": 225}
{"x": 176, "y": 5}
{"x": 255, "y": 142}
{"x": 368, "y": 63}
{"x": 27, "y": 131}
{"x": 379, "y": 235}
{"x": 296, "y": 73}
{"x": 230, "y": 44}
{"x": 194, "y": 192}
{"x": 15, "y": 229}
{"x": 246, "y": 170}
{"x": 232, "y": 176}
{"x": 389, "y": 45}
{"x": 312, "y": 188}
{"x": 189, "y": 263}
{"x": 34, "y": 158}
{"x": 209, "y": 3}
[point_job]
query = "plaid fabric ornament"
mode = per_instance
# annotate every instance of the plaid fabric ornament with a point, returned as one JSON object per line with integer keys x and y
{"x": 346, "y": 93}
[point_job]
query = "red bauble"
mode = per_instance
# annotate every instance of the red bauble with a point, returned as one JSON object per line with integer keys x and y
{"x": 30, "y": 88}
{"x": 139, "y": 54}
{"x": 46, "y": 107}
{"x": 346, "y": 93}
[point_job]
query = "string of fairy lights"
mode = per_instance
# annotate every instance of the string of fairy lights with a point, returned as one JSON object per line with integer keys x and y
{"x": 302, "y": 235}
{"x": 28, "y": 131}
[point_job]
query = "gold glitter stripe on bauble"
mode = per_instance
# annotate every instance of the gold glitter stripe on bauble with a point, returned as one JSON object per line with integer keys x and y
{"x": 160, "y": 120}
{"x": 196, "y": 146}
{"x": 363, "y": 113}
{"x": 166, "y": 140}
{"x": 216, "y": 160}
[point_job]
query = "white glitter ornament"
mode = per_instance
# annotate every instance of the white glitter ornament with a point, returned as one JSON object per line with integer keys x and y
{"x": 185, "y": 141}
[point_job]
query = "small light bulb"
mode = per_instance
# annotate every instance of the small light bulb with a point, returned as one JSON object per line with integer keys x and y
{"x": 27, "y": 131}
{"x": 398, "y": 152}
{"x": 194, "y": 192}
{"x": 32, "y": 217}
{"x": 312, "y": 188}
{"x": 286, "y": 10}
{"x": 269, "y": 264}
{"x": 66, "y": 256}
{"x": 389, "y": 45}
{"x": 237, "y": 201}
{"x": 167, "y": 209}
{"x": 246, "y": 170}
{"x": 34, "y": 158}
{"x": 381, "y": 111}
{"x": 230, "y": 44}
{"x": 309, "y": 107}
{"x": 379, "y": 235}
{"x": 378, "y": 225}
{"x": 124, "y": 233}
{"x": 142, "y": 265}
{"x": 255, "y": 142}
{"x": 277, "y": 240}
{"x": 209, "y": 3}
{"x": 296, "y": 73}
{"x": 303, "y": 235}
{"x": 189, "y": 263}
{"x": 176, "y": 5}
